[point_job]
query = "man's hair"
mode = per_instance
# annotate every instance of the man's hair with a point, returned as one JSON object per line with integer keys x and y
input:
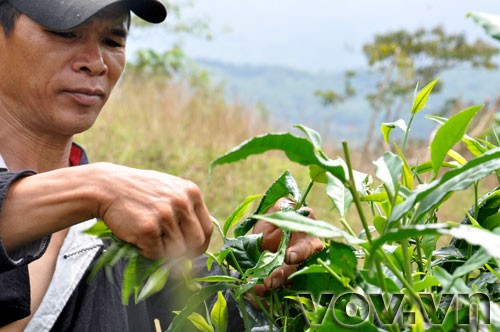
{"x": 8, "y": 17}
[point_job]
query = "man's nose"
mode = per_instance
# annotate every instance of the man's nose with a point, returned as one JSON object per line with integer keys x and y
{"x": 90, "y": 60}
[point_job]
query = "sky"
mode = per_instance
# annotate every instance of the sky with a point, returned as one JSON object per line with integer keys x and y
{"x": 315, "y": 35}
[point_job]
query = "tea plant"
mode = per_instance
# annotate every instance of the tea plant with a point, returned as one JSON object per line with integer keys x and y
{"x": 392, "y": 276}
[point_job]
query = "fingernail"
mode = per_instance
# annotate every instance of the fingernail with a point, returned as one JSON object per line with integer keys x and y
{"x": 274, "y": 282}
{"x": 292, "y": 257}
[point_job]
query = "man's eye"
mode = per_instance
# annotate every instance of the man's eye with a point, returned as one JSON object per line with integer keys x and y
{"x": 113, "y": 43}
{"x": 64, "y": 34}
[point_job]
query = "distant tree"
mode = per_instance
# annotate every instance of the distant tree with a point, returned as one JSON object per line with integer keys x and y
{"x": 332, "y": 98}
{"x": 173, "y": 61}
{"x": 404, "y": 59}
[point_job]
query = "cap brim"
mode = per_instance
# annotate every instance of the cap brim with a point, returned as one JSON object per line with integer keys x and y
{"x": 52, "y": 14}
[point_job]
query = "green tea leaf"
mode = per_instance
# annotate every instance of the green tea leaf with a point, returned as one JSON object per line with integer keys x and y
{"x": 407, "y": 172}
{"x": 284, "y": 186}
{"x": 297, "y": 149}
{"x": 457, "y": 157}
{"x": 474, "y": 262}
{"x": 428, "y": 243}
{"x": 450, "y": 284}
{"x": 155, "y": 283}
{"x": 269, "y": 261}
{"x": 200, "y": 322}
{"x": 389, "y": 169}
{"x": 311, "y": 269}
{"x": 426, "y": 283}
{"x": 104, "y": 260}
{"x": 340, "y": 196}
{"x": 338, "y": 256}
{"x": 221, "y": 278}
{"x": 238, "y": 213}
{"x": 194, "y": 301}
{"x": 380, "y": 223}
{"x": 129, "y": 276}
{"x": 219, "y": 313}
{"x": 315, "y": 279}
{"x": 313, "y": 136}
{"x": 317, "y": 174}
{"x": 421, "y": 98}
{"x": 387, "y": 128}
{"x": 450, "y": 134}
{"x": 473, "y": 235}
{"x": 294, "y": 222}
{"x": 475, "y": 146}
{"x": 407, "y": 232}
{"x": 246, "y": 250}
{"x": 489, "y": 206}
{"x": 371, "y": 278}
{"x": 477, "y": 236}
{"x": 489, "y": 22}
{"x": 99, "y": 229}
{"x": 458, "y": 179}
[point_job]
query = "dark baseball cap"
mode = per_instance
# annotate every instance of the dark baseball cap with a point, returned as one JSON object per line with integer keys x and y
{"x": 67, "y": 14}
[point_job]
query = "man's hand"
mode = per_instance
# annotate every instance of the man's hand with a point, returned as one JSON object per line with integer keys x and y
{"x": 161, "y": 214}
{"x": 301, "y": 247}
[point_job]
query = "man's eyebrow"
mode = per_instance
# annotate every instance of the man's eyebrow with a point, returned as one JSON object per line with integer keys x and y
{"x": 119, "y": 31}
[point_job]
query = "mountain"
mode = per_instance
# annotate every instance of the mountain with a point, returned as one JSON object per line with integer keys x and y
{"x": 287, "y": 97}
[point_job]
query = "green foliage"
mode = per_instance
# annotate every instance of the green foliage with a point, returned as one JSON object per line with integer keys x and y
{"x": 399, "y": 246}
{"x": 172, "y": 62}
{"x": 152, "y": 63}
{"x": 362, "y": 280}
{"x": 402, "y": 58}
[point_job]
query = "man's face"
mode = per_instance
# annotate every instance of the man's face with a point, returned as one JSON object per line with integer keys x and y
{"x": 56, "y": 82}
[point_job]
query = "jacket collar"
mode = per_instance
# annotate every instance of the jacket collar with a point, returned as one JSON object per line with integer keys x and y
{"x": 77, "y": 156}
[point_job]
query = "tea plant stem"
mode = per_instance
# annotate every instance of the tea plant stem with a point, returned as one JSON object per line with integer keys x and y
{"x": 243, "y": 310}
{"x": 285, "y": 323}
{"x": 251, "y": 291}
{"x": 238, "y": 267}
{"x": 272, "y": 310}
{"x": 304, "y": 195}
{"x": 224, "y": 269}
{"x": 398, "y": 275}
{"x": 261, "y": 305}
{"x": 418, "y": 246}
{"x": 407, "y": 263}
{"x": 476, "y": 213}
{"x": 217, "y": 226}
{"x": 335, "y": 275}
{"x": 351, "y": 185}
{"x": 476, "y": 200}
{"x": 277, "y": 300}
{"x": 344, "y": 223}
{"x": 405, "y": 138}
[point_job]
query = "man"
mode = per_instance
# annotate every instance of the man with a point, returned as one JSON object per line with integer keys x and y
{"x": 59, "y": 61}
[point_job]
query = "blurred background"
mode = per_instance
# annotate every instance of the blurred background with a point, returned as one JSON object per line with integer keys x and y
{"x": 219, "y": 72}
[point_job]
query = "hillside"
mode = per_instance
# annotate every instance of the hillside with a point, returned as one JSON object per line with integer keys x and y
{"x": 286, "y": 96}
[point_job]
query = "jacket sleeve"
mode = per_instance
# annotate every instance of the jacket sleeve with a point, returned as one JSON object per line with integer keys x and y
{"x": 14, "y": 276}
{"x": 27, "y": 253}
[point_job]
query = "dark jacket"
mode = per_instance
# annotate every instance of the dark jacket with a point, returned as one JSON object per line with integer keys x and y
{"x": 94, "y": 306}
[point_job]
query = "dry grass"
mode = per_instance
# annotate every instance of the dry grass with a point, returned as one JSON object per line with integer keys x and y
{"x": 178, "y": 129}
